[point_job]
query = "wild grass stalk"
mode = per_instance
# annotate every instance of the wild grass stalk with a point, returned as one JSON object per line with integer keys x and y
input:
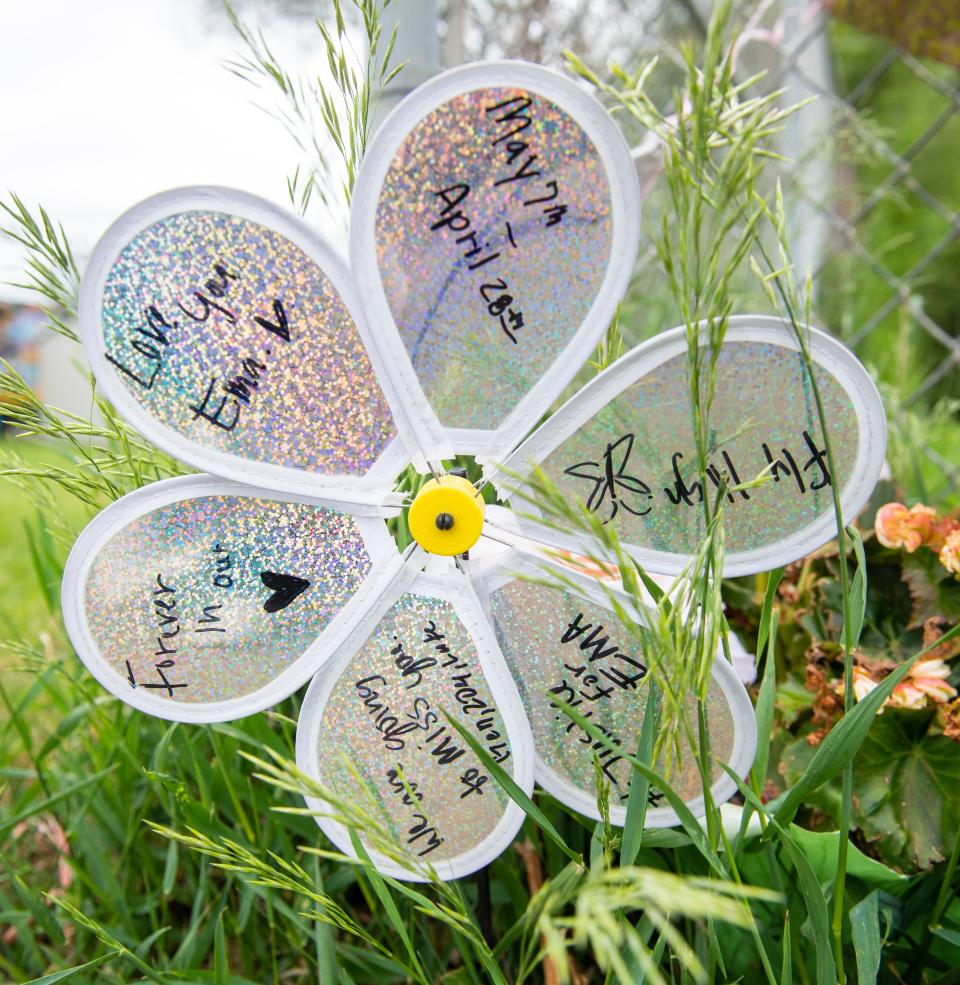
{"x": 714, "y": 149}
{"x": 323, "y": 113}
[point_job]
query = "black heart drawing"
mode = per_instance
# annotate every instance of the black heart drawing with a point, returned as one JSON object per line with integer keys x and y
{"x": 285, "y": 589}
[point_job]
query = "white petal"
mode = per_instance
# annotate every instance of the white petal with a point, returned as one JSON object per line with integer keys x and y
{"x": 201, "y": 600}
{"x": 373, "y": 729}
{"x": 494, "y": 225}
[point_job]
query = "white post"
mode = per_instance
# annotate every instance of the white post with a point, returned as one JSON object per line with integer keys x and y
{"x": 417, "y": 44}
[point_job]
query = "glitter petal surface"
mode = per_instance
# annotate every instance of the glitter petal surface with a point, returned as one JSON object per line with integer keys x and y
{"x": 634, "y": 462}
{"x": 493, "y": 235}
{"x": 228, "y": 333}
{"x": 178, "y": 602}
{"x": 384, "y": 718}
{"x": 556, "y": 643}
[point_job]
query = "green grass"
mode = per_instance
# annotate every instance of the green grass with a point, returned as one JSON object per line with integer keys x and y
{"x": 30, "y": 602}
{"x": 899, "y": 232}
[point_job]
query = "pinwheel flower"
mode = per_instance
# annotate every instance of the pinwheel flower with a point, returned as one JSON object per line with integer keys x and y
{"x": 494, "y": 225}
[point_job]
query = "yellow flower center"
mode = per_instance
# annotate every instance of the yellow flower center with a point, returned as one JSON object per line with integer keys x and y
{"x": 446, "y": 516}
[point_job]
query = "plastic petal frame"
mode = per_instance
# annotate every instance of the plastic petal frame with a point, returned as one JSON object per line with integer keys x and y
{"x": 430, "y": 442}
{"x": 507, "y": 475}
{"x": 385, "y": 566}
{"x": 454, "y": 587}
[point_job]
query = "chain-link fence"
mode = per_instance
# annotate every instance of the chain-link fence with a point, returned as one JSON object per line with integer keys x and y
{"x": 875, "y": 205}
{"x": 873, "y": 184}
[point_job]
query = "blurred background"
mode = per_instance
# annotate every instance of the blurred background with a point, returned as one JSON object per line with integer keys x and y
{"x": 104, "y": 106}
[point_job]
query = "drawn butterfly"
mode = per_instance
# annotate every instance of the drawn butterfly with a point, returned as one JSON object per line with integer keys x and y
{"x": 610, "y": 481}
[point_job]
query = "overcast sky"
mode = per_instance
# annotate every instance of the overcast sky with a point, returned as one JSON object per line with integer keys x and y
{"x": 107, "y": 102}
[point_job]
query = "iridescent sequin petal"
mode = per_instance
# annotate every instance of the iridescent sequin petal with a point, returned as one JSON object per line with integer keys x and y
{"x": 374, "y": 732}
{"x": 633, "y": 461}
{"x": 202, "y": 606}
{"x": 231, "y": 337}
{"x": 563, "y": 647}
{"x": 485, "y": 289}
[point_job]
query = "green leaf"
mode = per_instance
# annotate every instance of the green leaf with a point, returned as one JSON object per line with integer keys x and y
{"x": 42, "y": 805}
{"x": 820, "y": 848}
{"x": 387, "y": 901}
{"x": 845, "y": 738}
{"x": 656, "y": 592}
{"x": 639, "y": 785}
{"x": 62, "y": 976}
{"x": 950, "y": 936}
{"x": 858, "y": 593}
{"x": 323, "y": 937}
{"x": 769, "y": 597}
{"x": 816, "y": 910}
{"x": 809, "y": 886}
{"x": 29, "y": 898}
{"x": 221, "y": 966}
{"x": 908, "y": 790}
{"x": 170, "y": 867}
{"x": 865, "y": 933}
{"x": 932, "y": 590}
{"x": 786, "y": 972}
{"x": 765, "y": 702}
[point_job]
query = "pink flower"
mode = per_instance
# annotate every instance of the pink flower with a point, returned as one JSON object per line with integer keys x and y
{"x": 926, "y": 679}
{"x": 896, "y": 526}
{"x": 950, "y": 552}
{"x": 863, "y": 683}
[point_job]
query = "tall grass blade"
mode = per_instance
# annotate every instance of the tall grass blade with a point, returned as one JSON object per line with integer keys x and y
{"x": 639, "y": 785}
{"x": 786, "y": 965}
{"x": 68, "y": 973}
{"x": 810, "y": 887}
{"x": 221, "y": 964}
{"x": 858, "y": 592}
{"x": 514, "y": 792}
{"x": 766, "y": 703}
{"x": 865, "y": 933}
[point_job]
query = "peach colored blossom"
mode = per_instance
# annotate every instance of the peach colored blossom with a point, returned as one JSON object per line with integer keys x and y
{"x": 896, "y": 526}
{"x": 950, "y": 552}
{"x": 942, "y": 529}
{"x": 925, "y": 682}
{"x": 930, "y": 676}
{"x": 905, "y": 695}
{"x": 927, "y": 679}
{"x": 863, "y": 683}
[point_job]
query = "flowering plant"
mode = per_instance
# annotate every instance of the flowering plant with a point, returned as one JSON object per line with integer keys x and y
{"x": 900, "y": 527}
{"x": 913, "y": 602}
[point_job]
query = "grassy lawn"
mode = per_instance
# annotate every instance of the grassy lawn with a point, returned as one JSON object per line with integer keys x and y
{"x": 34, "y": 540}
